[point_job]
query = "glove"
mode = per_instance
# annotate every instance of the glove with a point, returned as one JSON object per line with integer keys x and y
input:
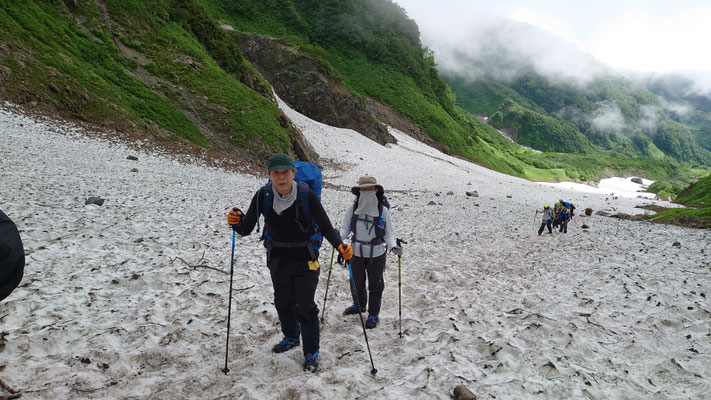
{"x": 346, "y": 251}
{"x": 234, "y": 217}
{"x": 397, "y": 250}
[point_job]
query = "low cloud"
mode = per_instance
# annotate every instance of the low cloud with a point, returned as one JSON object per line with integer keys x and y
{"x": 681, "y": 110}
{"x": 504, "y": 49}
{"x": 648, "y": 119}
{"x": 608, "y": 118}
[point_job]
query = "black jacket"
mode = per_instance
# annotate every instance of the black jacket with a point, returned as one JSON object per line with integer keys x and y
{"x": 291, "y": 226}
{"x": 12, "y": 256}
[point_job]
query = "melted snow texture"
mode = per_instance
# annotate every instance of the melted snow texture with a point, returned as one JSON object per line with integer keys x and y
{"x": 108, "y": 309}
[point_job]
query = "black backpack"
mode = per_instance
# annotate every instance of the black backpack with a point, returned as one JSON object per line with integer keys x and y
{"x": 12, "y": 256}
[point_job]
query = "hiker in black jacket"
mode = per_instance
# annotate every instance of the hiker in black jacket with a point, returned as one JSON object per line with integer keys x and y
{"x": 290, "y": 236}
{"x": 12, "y": 256}
{"x": 12, "y": 266}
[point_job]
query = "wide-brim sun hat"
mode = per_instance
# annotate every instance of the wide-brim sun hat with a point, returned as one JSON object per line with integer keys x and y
{"x": 365, "y": 182}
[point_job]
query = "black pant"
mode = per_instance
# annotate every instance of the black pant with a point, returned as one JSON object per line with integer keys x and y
{"x": 374, "y": 268}
{"x": 564, "y": 226}
{"x": 294, "y": 291}
{"x": 544, "y": 224}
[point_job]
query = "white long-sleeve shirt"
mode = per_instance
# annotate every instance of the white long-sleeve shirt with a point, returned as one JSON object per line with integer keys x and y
{"x": 365, "y": 232}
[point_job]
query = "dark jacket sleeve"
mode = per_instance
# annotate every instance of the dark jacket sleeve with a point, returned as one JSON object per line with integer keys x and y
{"x": 246, "y": 224}
{"x": 324, "y": 224}
{"x": 12, "y": 256}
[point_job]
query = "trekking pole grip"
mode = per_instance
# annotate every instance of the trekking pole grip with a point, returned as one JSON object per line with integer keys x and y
{"x": 400, "y": 241}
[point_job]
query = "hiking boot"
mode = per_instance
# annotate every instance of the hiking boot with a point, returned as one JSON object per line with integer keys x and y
{"x": 311, "y": 362}
{"x": 351, "y": 310}
{"x": 286, "y": 344}
{"x": 372, "y": 321}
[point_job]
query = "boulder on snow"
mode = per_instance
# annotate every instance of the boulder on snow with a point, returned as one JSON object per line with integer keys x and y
{"x": 450, "y": 193}
{"x": 94, "y": 200}
{"x": 461, "y": 392}
{"x": 637, "y": 180}
{"x": 629, "y": 217}
{"x": 432, "y": 203}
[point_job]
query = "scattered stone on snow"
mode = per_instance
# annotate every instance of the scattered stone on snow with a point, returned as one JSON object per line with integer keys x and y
{"x": 134, "y": 169}
{"x": 432, "y": 203}
{"x": 94, "y": 200}
{"x": 132, "y": 158}
{"x": 585, "y": 226}
{"x": 473, "y": 194}
{"x": 461, "y": 392}
{"x": 450, "y": 193}
{"x": 603, "y": 213}
{"x": 508, "y": 196}
{"x": 676, "y": 244}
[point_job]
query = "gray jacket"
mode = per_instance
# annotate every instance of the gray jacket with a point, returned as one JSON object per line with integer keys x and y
{"x": 365, "y": 232}
{"x": 547, "y": 214}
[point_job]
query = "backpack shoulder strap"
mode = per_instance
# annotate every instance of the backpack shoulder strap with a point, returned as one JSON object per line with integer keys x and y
{"x": 267, "y": 199}
{"x": 303, "y": 197}
{"x": 354, "y": 218}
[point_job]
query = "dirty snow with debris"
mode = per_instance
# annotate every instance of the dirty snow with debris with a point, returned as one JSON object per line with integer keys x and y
{"x": 112, "y": 304}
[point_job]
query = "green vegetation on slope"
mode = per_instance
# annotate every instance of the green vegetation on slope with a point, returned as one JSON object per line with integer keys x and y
{"x": 85, "y": 65}
{"x": 169, "y": 65}
{"x": 698, "y": 194}
{"x": 166, "y": 64}
{"x": 611, "y": 112}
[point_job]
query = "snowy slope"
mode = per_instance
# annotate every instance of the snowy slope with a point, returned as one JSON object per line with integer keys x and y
{"x": 110, "y": 308}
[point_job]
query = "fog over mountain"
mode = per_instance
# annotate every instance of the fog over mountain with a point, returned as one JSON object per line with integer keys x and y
{"x": 504, "y": 49}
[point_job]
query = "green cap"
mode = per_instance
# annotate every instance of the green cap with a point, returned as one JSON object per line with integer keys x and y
{"x": 280, "y": 161}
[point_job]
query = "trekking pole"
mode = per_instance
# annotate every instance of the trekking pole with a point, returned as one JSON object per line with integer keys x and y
{"x": 328, "y": 282}
{"x": 229, "y": 307}
{"x": 399, "y": 285}
{"x": 362, "y": 323}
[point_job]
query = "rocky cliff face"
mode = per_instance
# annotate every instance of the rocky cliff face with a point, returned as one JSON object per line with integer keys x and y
{"x": 298, "y": 81}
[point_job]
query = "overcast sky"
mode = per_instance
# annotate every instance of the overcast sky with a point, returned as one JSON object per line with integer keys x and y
{"x": 645, "y": 36}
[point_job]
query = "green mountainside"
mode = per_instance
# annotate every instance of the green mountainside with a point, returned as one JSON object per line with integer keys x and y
{"x": 173, "y": 70}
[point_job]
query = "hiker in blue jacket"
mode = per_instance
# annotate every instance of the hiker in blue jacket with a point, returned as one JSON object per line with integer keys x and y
{"x": 565, "y": 216}
{"x": 368, "y": 218}
{"x": 291, "y": 257}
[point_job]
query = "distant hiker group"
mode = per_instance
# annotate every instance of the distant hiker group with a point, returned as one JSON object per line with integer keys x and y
{"x": 295, "y": 224}
{"x": 556, "y": 218}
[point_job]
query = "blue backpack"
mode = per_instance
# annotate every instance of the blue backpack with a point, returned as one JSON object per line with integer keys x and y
{"x": 308, "y": 176}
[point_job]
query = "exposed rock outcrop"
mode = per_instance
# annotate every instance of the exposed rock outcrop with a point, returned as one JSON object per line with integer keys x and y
{"x": 300, "y": 82}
